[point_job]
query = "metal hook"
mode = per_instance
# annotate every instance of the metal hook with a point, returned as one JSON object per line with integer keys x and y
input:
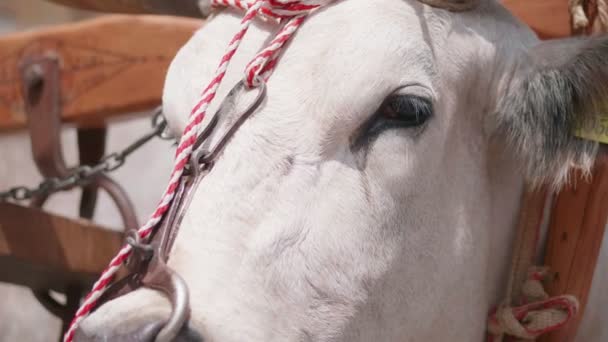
{"x": 206, "y": 158}
{"x": 142, "y": 252}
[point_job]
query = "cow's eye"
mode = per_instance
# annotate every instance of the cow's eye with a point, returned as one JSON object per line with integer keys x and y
{"x": 398, "y": 111}
{"x": 405, "y": 111}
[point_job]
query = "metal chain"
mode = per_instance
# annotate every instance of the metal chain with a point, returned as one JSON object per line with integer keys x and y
{"x": 83, "y": 174}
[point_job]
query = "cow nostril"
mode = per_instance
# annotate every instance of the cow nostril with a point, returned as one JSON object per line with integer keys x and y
{"x": 186, "y": 334}
{"x": 145, "y": 333}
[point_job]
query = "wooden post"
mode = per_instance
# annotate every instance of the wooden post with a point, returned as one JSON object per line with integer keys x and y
{"x": 548, "y": 18}
{"x": 45, "y": 251}
{"x": 577, "y": 225}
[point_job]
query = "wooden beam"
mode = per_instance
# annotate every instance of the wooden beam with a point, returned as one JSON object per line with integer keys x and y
{"x": 577, "y": 225}
{"x": 548, "y": 18}
{"x": 45, "y": 251}
{"x": 174, "y": 7}
{"x": 111, "y": 66}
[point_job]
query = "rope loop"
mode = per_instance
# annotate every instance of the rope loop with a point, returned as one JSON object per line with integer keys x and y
{"x": 533, "y": 320}
{"x": 539, "y": 315}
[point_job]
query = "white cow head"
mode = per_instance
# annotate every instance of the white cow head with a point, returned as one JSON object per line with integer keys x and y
{"x": 373, "y": 195}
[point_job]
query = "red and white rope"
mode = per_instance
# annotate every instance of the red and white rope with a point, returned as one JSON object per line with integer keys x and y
{"x": 293, "y": 12}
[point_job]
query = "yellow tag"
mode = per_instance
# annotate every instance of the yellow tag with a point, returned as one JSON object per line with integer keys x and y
{"x": 596, "y": 131}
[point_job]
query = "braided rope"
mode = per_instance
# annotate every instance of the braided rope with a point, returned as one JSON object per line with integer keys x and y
{"x": 259, "y": 69}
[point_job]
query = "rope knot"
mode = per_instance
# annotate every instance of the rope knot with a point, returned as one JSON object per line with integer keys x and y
{"x": 290, "y": 12}
{"x": 539, "y": 315}
{"x": 281, "y": 9}
{"x": 290, "y": 8}
{"x": 532, "y": 320}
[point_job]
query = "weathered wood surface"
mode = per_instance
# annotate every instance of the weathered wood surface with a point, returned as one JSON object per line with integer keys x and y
{"x": 577, "y": 225}
{"x": 41, "y": 250}
{"x": 548, "y": 18}
{"x": 110, "y": 66}
{"x": 173, "y": 7}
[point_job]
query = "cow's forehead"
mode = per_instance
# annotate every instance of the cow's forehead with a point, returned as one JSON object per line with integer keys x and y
{"x": 363, "y": 36}
{"x": 358, "y": 47}
{"x": 369, "y": 40}
{"x": 349, "y": 57}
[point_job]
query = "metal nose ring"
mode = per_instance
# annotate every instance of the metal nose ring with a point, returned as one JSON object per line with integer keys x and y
{"x": 169, "y": 283}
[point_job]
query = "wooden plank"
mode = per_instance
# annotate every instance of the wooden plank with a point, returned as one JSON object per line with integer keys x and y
{"x": 577, "y": 226}
{"x": 548, "y": 18}
{"x": 531, "y": 215}
{"x": 110, "y": 66}
{"x": 175, "y": 7}
{"x": 41, "y": 250}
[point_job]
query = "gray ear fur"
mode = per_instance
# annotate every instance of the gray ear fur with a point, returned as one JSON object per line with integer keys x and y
{"x": 556, "y": 86}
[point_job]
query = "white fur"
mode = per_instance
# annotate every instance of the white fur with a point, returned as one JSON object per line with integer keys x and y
{"x": 296, "y": 236}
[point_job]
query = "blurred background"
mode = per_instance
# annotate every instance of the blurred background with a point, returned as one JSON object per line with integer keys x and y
{"x": 22, "y": 318}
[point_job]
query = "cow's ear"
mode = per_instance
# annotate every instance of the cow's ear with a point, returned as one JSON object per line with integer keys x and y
{"x": 555, "y": 87}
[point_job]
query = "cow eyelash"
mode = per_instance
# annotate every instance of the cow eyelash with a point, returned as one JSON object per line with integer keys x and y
{"x": 401, "y": 111}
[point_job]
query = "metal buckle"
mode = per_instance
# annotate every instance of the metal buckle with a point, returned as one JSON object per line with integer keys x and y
{"x": 202, "y": 159}
{"x": 142, "y": 251}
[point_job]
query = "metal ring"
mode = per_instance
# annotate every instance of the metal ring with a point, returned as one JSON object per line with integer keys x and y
{"x": 166, "y": 281}
{"x": 159, "y": 122}
{"x": 133, "y": 239}
{"x": 179, "y": 309}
